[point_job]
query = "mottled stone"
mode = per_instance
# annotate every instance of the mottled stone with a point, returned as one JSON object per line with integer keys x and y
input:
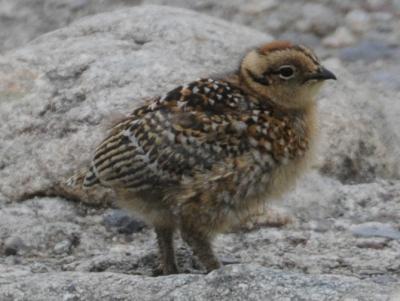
{"x": 375, "y": 229}
{"x": 238, "y": 282}
{"x": 368, "y": 51}
{"x": 317, "y": 18}
{"x": 340, "y": 38}
{"x": 122, "y": 221}
{"x": 13, "y": 245}
{"x": 358, "y": 20}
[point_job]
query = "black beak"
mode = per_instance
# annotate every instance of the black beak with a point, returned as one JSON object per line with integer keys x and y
{"x": 322, "y": 74}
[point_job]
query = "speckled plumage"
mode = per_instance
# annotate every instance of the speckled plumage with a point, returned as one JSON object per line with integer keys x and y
{"x": 202, "y": 156}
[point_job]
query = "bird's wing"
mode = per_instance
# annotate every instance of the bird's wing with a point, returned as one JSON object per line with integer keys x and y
{"x": 186, "y": 132}
{"x": 207, "y": 127}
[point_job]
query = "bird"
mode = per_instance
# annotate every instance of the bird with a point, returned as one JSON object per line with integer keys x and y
{"x": 198, "y": 159}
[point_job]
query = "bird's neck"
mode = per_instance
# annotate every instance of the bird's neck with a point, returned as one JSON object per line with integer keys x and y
{"x": 303, "y": 119}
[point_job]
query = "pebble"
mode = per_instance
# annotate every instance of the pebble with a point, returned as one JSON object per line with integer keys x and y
{"x": 358, "y": 20}
{"x": 381, "y": 17}
{"x": 70, "y": 297}
{"x": 317, "y": 18}
{"x": 122, "y": 221}
{"x": 304, "y": 38}
{"x": 375, "y": 4}
{"x": 78, "y": 4}
{"x": 62, "y": 247}
{"x": 256, "y": 7}
{"x": 13, "y": 245}
{"x": 388, "y": 77}
{"x": 396, "y": 5}
{"x": 340, "y": 38}
{"x": 375, "y": 229}
{"x": 376, "y": 243}
{"x": 368, "y": 51}
{"x": 383, "y": 23}
{"x": 38, "y": 267}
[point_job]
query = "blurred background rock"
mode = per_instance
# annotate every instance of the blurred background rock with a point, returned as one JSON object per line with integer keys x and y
{"x": 357, "y": 31}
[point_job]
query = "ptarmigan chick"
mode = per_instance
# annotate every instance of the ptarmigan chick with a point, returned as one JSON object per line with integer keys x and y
{"x": 202, "y": 156}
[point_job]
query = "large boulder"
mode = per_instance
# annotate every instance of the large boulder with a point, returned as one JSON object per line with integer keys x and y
{"x": 59, "y": 89}
{"x": 359, "y": 134}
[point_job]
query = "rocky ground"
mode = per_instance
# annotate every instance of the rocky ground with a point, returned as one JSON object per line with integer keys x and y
{"x": 335, "y": 237}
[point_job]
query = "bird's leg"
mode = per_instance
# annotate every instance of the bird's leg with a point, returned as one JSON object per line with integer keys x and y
{"x": 166, "y": 250}
{"x": 201, "y": 246}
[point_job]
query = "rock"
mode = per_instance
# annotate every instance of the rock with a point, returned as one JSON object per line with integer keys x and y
{"x": 349, "y": 148}
{"x": 257, "y": 7}
{"x": 396, "y": 5}
{"x": 387, "y": 77}
{"x": 92, "y": 69}
{"x": 375, "y": 4}
{"x": 340, "y": 38}
{"x": 375, "y": 229}
{"x": 384, "y": 22}
{"x": 373, "y": 243}
{"x": 122, "y": 221}
{"x": 13, "y": 245}
{"x": 358, "y": 20}
{"x": 38, "y": 267}
{"x": 39, "y": 226}
{"x": 317, "y": 18}
{"x": 109, "y": 259}
{"x": 70, "y": 297}
{"x": 368, "y": 51}
{"x": 64, "y": 97}
{"x": 309, "y": 39}
{"x": 270, "y": 216}
{"x": 236, "y": 282}
{"x": 62, "y": 247}
{"x": 23, "y": 21}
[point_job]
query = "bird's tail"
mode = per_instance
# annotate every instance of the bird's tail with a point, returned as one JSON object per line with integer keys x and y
{"x": 85, "y": 178}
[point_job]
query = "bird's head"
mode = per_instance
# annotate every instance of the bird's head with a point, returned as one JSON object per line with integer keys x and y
{"x": 290, "y": 75}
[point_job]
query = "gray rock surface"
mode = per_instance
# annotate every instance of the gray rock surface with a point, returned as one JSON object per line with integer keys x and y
{"x": 121, "y": 221}
{"x": 338, "y": 237}
{"x": 65, "y": 86}
{"x": 375, "y": 229}
{"x": 23, "y": 21}
{"x": 240, "y": 282}
{"x": 318, "y": 253}
{"x": 359, "y": 140}
{"x": 59, "y": 89}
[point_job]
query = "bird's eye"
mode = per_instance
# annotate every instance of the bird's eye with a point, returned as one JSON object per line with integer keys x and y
{"x": 286, "y": 71}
